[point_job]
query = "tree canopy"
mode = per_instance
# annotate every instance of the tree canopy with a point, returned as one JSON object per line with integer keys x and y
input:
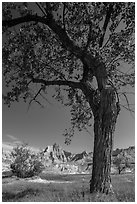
{"x": 60, "y": 44}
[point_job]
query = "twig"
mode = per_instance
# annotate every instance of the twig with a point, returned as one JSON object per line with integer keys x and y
{"x": 39, "y": 103}
{"x": 40, "y": 8}
{"x": 88, "y": 132}
{"x": 114, "y": 60}
{"x": 34, "y": 98}
{"x": 105, "y": 44}
{"x": 128, "y": 104}
{"x": 132, "y": 111}
{"x": 45, "y": 99}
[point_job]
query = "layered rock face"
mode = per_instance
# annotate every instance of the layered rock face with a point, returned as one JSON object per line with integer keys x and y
{"x": 6, "y": 157}
{"x": 57, "y": 160}
{"x": 55, "y": 154}
{"x": 129, "y": 153}
{"x": 6, "y": 161}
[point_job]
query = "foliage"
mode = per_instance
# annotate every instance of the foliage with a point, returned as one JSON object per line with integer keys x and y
{"x": 121, "y": 162}
{"x": 49, "y": 44}
{"x": 25, "y": 163}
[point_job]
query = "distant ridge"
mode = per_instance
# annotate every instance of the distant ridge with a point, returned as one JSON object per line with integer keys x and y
{"x": 56, "y": 153}
{"x": 56, "y": 159}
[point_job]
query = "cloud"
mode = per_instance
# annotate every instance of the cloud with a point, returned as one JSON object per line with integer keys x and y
{"x": 11, "y": 137}
{"x": 34, "y": 149}
{"x": 7, "y": 147}
{"x": 14, "y": 141}
{"x": 17, "y": 142}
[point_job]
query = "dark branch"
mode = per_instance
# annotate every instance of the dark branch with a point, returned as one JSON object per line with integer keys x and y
{"x": 107, "y": 19}
{"x": 85, "y": 73}
{"x": 41, "y": 8}
{"x": 128, "y": 104}
{"x": 34, "y": 99}
{"x": 24, "y": 19}
{"x": 89, "y": 37}
{"x": 71, "y": 84}
{"x": 67, "y": 43}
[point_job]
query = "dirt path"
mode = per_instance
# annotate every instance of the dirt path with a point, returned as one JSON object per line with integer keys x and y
{"x": 39, "y": 180}
{"x": 35, "y": 180}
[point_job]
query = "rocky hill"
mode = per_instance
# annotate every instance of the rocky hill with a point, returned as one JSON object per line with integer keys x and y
{"x": 56, "y": 154}
{"x": 128, "y": 152}
{"x": 57, "y": 160}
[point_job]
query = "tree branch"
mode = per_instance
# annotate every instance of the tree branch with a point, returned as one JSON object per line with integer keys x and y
{"x": 24, "y": 19}
{"x": 34, "y": 99}
{"x": 105, "y": 44}
{"x": 41, "y": 8}
{"x": 88, "y": 60}
{"x": 128, "y": 105}
{"x": 129, "y": 109}
{"x": 114, "y": 60}
{"x": 89, "y": 37}
{"x": 67, "y": 43}
{"x": 71, "y": 84}
{"x": 107, "y": 19}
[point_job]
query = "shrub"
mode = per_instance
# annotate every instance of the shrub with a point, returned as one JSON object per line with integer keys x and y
{"x": 25, "y": 163}
{"x": 121, "y": 162}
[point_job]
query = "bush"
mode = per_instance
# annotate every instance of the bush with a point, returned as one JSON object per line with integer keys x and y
{"x": 25, "y": 162}
{"x": 121, "y": 162}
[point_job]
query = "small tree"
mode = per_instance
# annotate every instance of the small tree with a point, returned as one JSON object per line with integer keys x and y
{"x": 25, "y": 162}
{"x": 121, "y": 163}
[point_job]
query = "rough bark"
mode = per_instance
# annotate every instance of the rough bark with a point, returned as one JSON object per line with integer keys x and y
{"x": 104, "y": 124}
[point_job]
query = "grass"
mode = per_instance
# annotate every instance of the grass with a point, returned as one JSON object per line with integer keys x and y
{"x": 77, "y": 191}
{"x": 124, "y": 187}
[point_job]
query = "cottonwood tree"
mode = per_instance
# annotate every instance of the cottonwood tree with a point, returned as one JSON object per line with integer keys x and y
{"x": 86, "y": 52}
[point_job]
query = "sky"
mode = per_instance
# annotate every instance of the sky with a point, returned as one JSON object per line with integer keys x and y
{"x": 40, "y": 127}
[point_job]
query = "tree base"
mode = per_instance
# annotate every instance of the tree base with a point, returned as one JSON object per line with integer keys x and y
{"x": 107, "y": 188}
{"x": 102, "y": 197}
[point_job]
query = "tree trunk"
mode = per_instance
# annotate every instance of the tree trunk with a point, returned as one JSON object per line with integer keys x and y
{"x": 119, "y": 171}
{"x": 104, "y": 125}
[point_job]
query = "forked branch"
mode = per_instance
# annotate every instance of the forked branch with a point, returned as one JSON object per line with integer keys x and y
{"x": 34, "y": 98}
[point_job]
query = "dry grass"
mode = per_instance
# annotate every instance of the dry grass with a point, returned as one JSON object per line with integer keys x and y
{"x": 77, "y": 191}
{"x": 124, "y": 187}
